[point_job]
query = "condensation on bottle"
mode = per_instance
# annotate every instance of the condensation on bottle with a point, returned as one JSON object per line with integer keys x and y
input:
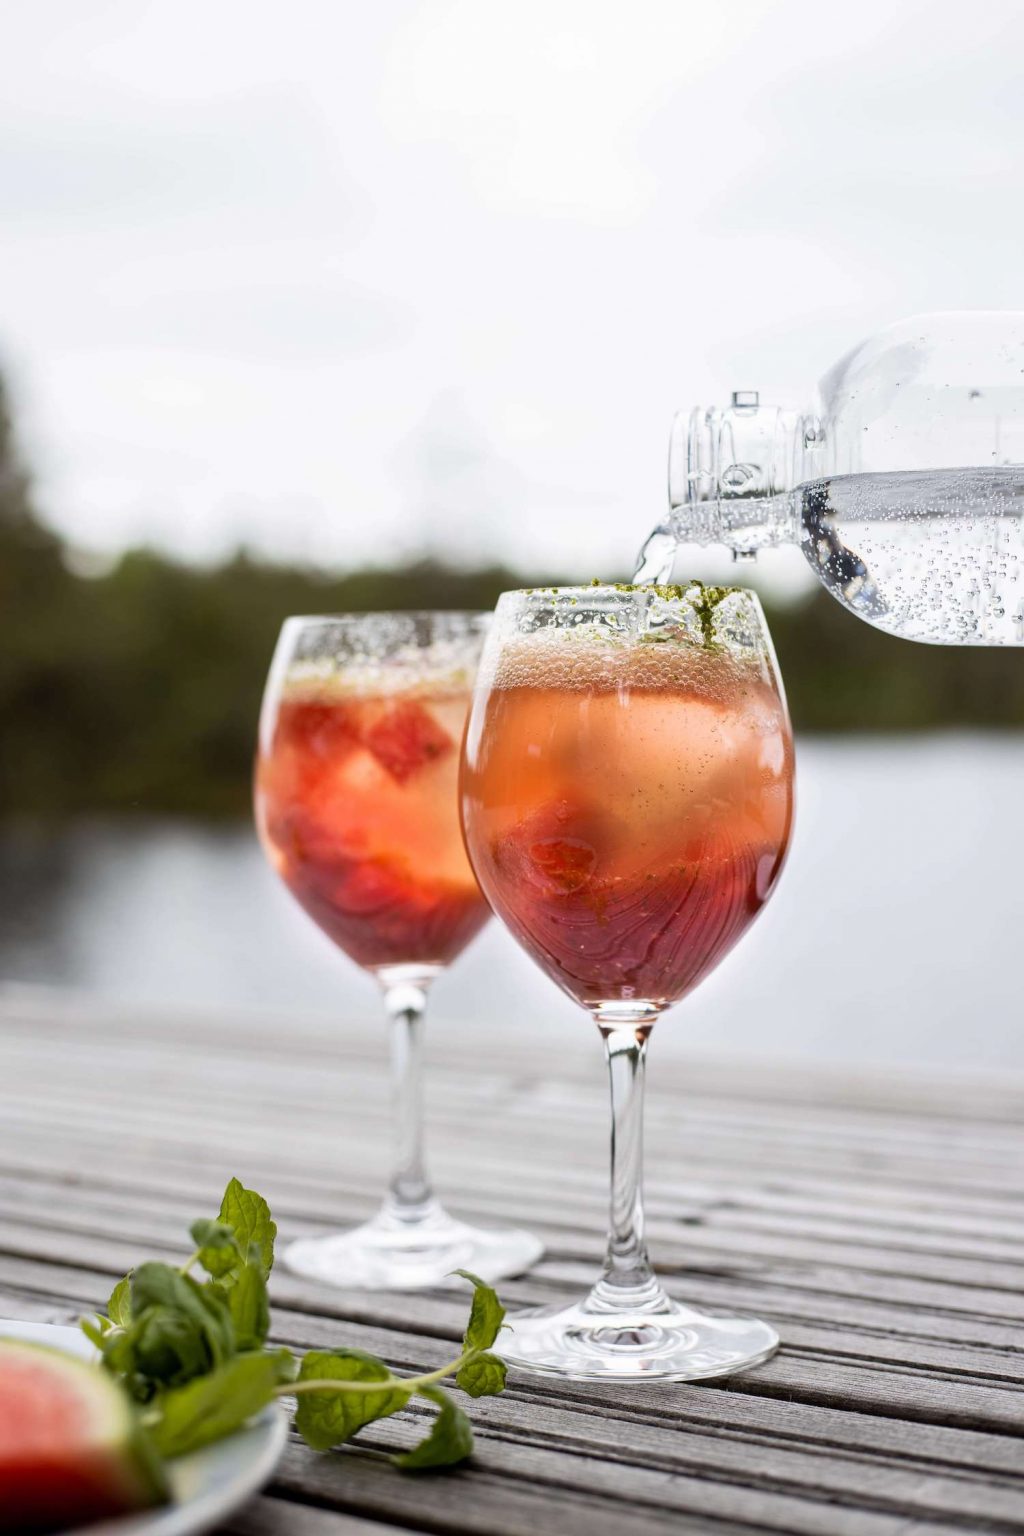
{"x": 903, "y": 483}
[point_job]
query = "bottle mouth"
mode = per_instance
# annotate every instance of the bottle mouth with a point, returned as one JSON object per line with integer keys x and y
{"x": 690, "y": 459}
{"x": 744, "y": 452}
{"x": 731, "y": 473}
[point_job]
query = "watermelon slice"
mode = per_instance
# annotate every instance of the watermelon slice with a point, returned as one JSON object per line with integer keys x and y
{"x": 71, "y": 1450}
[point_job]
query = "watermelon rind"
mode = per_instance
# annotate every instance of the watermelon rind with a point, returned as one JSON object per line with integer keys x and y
{"x": 107, "y": 1468}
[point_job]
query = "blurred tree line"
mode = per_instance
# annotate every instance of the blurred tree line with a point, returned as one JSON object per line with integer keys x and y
{"x": 138, "y": 690}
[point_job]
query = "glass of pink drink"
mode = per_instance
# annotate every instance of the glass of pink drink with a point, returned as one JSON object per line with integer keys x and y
{"x": 627, "y": 798}
{"x": 357, "y": 809}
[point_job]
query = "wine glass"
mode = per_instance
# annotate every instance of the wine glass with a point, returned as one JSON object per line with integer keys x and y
{"x": 627, "y": 798}
{"x": 357, "y": 809}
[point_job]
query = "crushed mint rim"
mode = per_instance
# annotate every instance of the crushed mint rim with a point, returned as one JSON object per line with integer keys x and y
{"x": 714, "y": 624}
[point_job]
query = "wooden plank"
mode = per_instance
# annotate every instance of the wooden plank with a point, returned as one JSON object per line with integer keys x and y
{"x": 114, "y": 1254}
{"x": 516, "y": 1491}
{"x": 231, "y": 1067}
{"x": 699, "y": 1406}
{"x": 283, "y": 1517}
{"x": 317, "y": 1158}
{"x": 701, "y": 1240}
{"x": 38, "y": 1170}
{"x": 316, "y": 1038}
{"x": 987, "y": 1166}
{"x": 146, "y": 1230}
{"x": 880, "y": 1221}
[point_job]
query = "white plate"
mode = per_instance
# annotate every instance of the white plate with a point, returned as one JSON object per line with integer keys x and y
{"x": 205, "y": 1486}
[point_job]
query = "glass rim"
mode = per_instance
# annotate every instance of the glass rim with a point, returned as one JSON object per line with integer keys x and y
{"x": 699, "y": 613}
{"x": 649, "y": 598}
{"x": 673, "y": 591}
{"x": 363, "y": 616}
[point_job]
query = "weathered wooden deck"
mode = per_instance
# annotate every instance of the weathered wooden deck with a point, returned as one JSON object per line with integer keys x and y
{"x": 879, "y": 1222}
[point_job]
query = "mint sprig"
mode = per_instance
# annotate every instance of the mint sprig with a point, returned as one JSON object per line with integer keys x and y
{"x": 481, "y": 1374}
{"x": 339, "y": 1392}
{"x": 193, "y": 1351}
{"x": 210, "y": 1407}
{"x": 450, "y": 1439}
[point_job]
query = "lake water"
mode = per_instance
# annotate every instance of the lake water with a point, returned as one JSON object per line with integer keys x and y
{"x": 893, "y": 936}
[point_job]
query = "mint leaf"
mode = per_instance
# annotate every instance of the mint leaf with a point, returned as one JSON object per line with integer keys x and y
{"x": 216, "y": 1404}
{"x": 119, "y": 1307}
{"x": 325, "y": 1419}
{"x": 486, "y": 1314}
{"x": 450, "y": 1439}
{"x": 220, "y": 1260}
{"x": 215, "y": 1237}
{"x": 95, "y": 1329}
{"x": 179, "y": 1327}
{"x": 287, "y": 1365}
{"x": 249, "y": 1307}
{"x": 119, "y": 1358}
{"x": 165, "y": 1348}
{"x": 154, "y": 1284}
{"x": 247, "y": 1215}
{"x": 483, "y": 1376}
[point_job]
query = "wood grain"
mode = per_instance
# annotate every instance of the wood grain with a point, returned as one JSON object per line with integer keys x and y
{"x": 878, "y": 1221}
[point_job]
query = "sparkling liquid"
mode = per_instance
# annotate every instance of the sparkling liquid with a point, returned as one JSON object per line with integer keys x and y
{"x": 357, "y": 807}
{"x": 627, "y": 814}
{"x": 932, "y": 555}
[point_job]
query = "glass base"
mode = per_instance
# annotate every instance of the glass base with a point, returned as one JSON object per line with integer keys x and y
{"x": 394, "y": 1254}
{"x": 670, "y": 1342}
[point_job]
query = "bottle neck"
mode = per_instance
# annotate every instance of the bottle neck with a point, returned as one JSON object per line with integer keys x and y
{"x": 731, "y": 473}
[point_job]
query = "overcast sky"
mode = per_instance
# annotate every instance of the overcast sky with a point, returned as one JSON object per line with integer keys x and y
{"x": 346, "y": 279}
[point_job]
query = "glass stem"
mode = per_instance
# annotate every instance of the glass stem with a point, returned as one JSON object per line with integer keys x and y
{"x": 628, "y": 1282}
{"x": 409, "y": 1198}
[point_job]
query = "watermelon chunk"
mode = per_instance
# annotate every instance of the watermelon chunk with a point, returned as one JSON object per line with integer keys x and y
{"x": 323, "y": 732}
{"x": 406, "y": 739}
{"x": 71, "y": 1449}
{"x": 554, "y": 849}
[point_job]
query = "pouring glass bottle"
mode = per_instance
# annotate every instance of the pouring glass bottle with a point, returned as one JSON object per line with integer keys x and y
{"x": 903, "y": 485}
